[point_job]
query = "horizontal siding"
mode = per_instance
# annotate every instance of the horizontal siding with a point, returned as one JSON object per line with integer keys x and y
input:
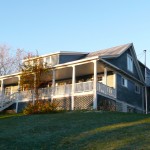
{"x": 148, "y": 77}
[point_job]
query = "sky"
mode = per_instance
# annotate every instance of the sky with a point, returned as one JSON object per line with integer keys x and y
{"x": 75, "y": 25}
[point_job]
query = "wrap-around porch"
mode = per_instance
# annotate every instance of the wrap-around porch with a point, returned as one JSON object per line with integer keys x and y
{"x": 72, "y": 80}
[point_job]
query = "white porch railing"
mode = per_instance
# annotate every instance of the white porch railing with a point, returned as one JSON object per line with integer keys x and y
{"x": 63, "y": 90}
{"x": 25, "y": 95}
{"x": 106, "y": 90}
{"x": 84, "y": 87}
{"x": 45, "y": 92}
{"x": 6, "y": 101}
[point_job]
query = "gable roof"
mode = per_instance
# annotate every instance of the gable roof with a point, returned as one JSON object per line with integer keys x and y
{"x": 116, "y": 52}
{"x": 110, "y": 52}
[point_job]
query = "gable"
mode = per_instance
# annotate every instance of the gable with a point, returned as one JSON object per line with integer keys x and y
{"x": 122, "y": 63}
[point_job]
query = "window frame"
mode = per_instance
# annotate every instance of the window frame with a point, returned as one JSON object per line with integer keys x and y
{"x": 48, "y": 60}
{"x": 124, "y": 82}
{"x": 129, "y": 63}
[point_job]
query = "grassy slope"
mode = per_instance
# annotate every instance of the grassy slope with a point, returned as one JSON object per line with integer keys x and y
{"x": 75, "y": 130}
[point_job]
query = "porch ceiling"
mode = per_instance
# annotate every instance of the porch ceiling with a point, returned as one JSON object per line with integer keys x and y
{"x": 80, "y": 70}
{"x": 13, "y": 80}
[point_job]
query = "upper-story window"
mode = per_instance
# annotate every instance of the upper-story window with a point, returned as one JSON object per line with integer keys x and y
{"x": 124, "y": 82}
{"x": 48, "y": 60}
{"x": 129, "y": 63}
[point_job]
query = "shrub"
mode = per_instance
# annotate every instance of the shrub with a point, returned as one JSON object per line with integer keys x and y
{"x": 41, "y": 106}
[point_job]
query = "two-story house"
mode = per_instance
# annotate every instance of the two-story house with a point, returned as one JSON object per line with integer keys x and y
{"x": 110, "y": 79}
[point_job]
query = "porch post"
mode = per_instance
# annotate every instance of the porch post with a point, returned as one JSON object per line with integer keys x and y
{"x": 73, "y": 87}
{"x": 2, "y": 86}
{"x": 105, "y": 76}
{"x": 53, "y": 84}
{"x": 18, "y": 82}
{"x": 18, "y": 95}
{"x": 115, "y": 84}
{"x": 95, "y": 85}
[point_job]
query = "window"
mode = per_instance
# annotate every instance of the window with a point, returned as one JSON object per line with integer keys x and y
{"x": 137, "y": 88}
{"x": 124, "y": 82}
{"x": 48, "y": 60}
{"x": 129, "y": 63}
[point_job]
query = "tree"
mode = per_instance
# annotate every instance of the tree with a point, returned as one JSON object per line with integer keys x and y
{"x": 34, "y": 72}
{"x": 10, "y": 60}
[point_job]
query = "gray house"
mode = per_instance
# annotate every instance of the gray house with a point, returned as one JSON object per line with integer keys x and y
{"x": 111, "y": 79}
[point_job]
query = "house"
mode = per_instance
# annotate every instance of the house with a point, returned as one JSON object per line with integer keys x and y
{"x": 110, "y": 79}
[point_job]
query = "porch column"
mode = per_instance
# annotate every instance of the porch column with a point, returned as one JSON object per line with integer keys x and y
{"x": 115, "y": 83}
{"x": 18, "y": 96}
{"x": 105, "y": 76}
{"x": 53, "y": 84}
{"x": 95, "y": 85}
{"x": 73, "y": 87}
{"x": 2, "y": 86}
{"x": 18, "y": 82}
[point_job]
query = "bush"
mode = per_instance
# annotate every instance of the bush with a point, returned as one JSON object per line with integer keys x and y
{"x": 41, "y": 106}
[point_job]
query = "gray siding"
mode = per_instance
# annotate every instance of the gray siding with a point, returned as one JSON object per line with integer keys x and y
{"x": 121, "y": 62}
{"x": 128, "y": 94}
{"x": 69, "y": 58}
{"x": 147, "y": 77}
{"x": 142, "y": 69}
{"x": 142, "y": 66}
{"x": 148, "y": 98}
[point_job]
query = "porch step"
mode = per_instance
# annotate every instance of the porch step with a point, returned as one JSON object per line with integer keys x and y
{"x": 6, "y": 105}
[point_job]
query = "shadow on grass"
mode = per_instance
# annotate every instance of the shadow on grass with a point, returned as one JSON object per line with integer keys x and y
{"x": 111, "y": 132}
{"x": 4, "y": 116}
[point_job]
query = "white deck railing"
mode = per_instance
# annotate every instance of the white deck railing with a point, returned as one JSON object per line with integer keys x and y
{"x": 106, "y": 90}
{"x": 84, "y": 87}
{"x": 61, "y": 90}
{"x": 6, "y": 101}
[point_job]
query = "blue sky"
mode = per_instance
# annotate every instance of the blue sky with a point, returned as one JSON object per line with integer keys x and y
{"x": 75, "y": 25}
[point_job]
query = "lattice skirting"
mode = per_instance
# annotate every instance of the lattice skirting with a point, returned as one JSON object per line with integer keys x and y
{"x": 83, "y": 102}
{"x": 107, "y": 105}
{"x": 64, "y": 103}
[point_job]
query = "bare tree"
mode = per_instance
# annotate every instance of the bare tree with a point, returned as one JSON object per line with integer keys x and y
{"x": 10, "y": 60}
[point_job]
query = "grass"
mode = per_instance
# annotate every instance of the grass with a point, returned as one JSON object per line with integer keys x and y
{"x": 75, "y": 130}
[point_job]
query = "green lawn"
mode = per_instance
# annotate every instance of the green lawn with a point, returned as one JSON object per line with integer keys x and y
{"x": 75, "y": 130}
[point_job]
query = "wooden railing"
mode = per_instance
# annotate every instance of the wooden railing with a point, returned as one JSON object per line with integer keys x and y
{"x": 106, "y": 90}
